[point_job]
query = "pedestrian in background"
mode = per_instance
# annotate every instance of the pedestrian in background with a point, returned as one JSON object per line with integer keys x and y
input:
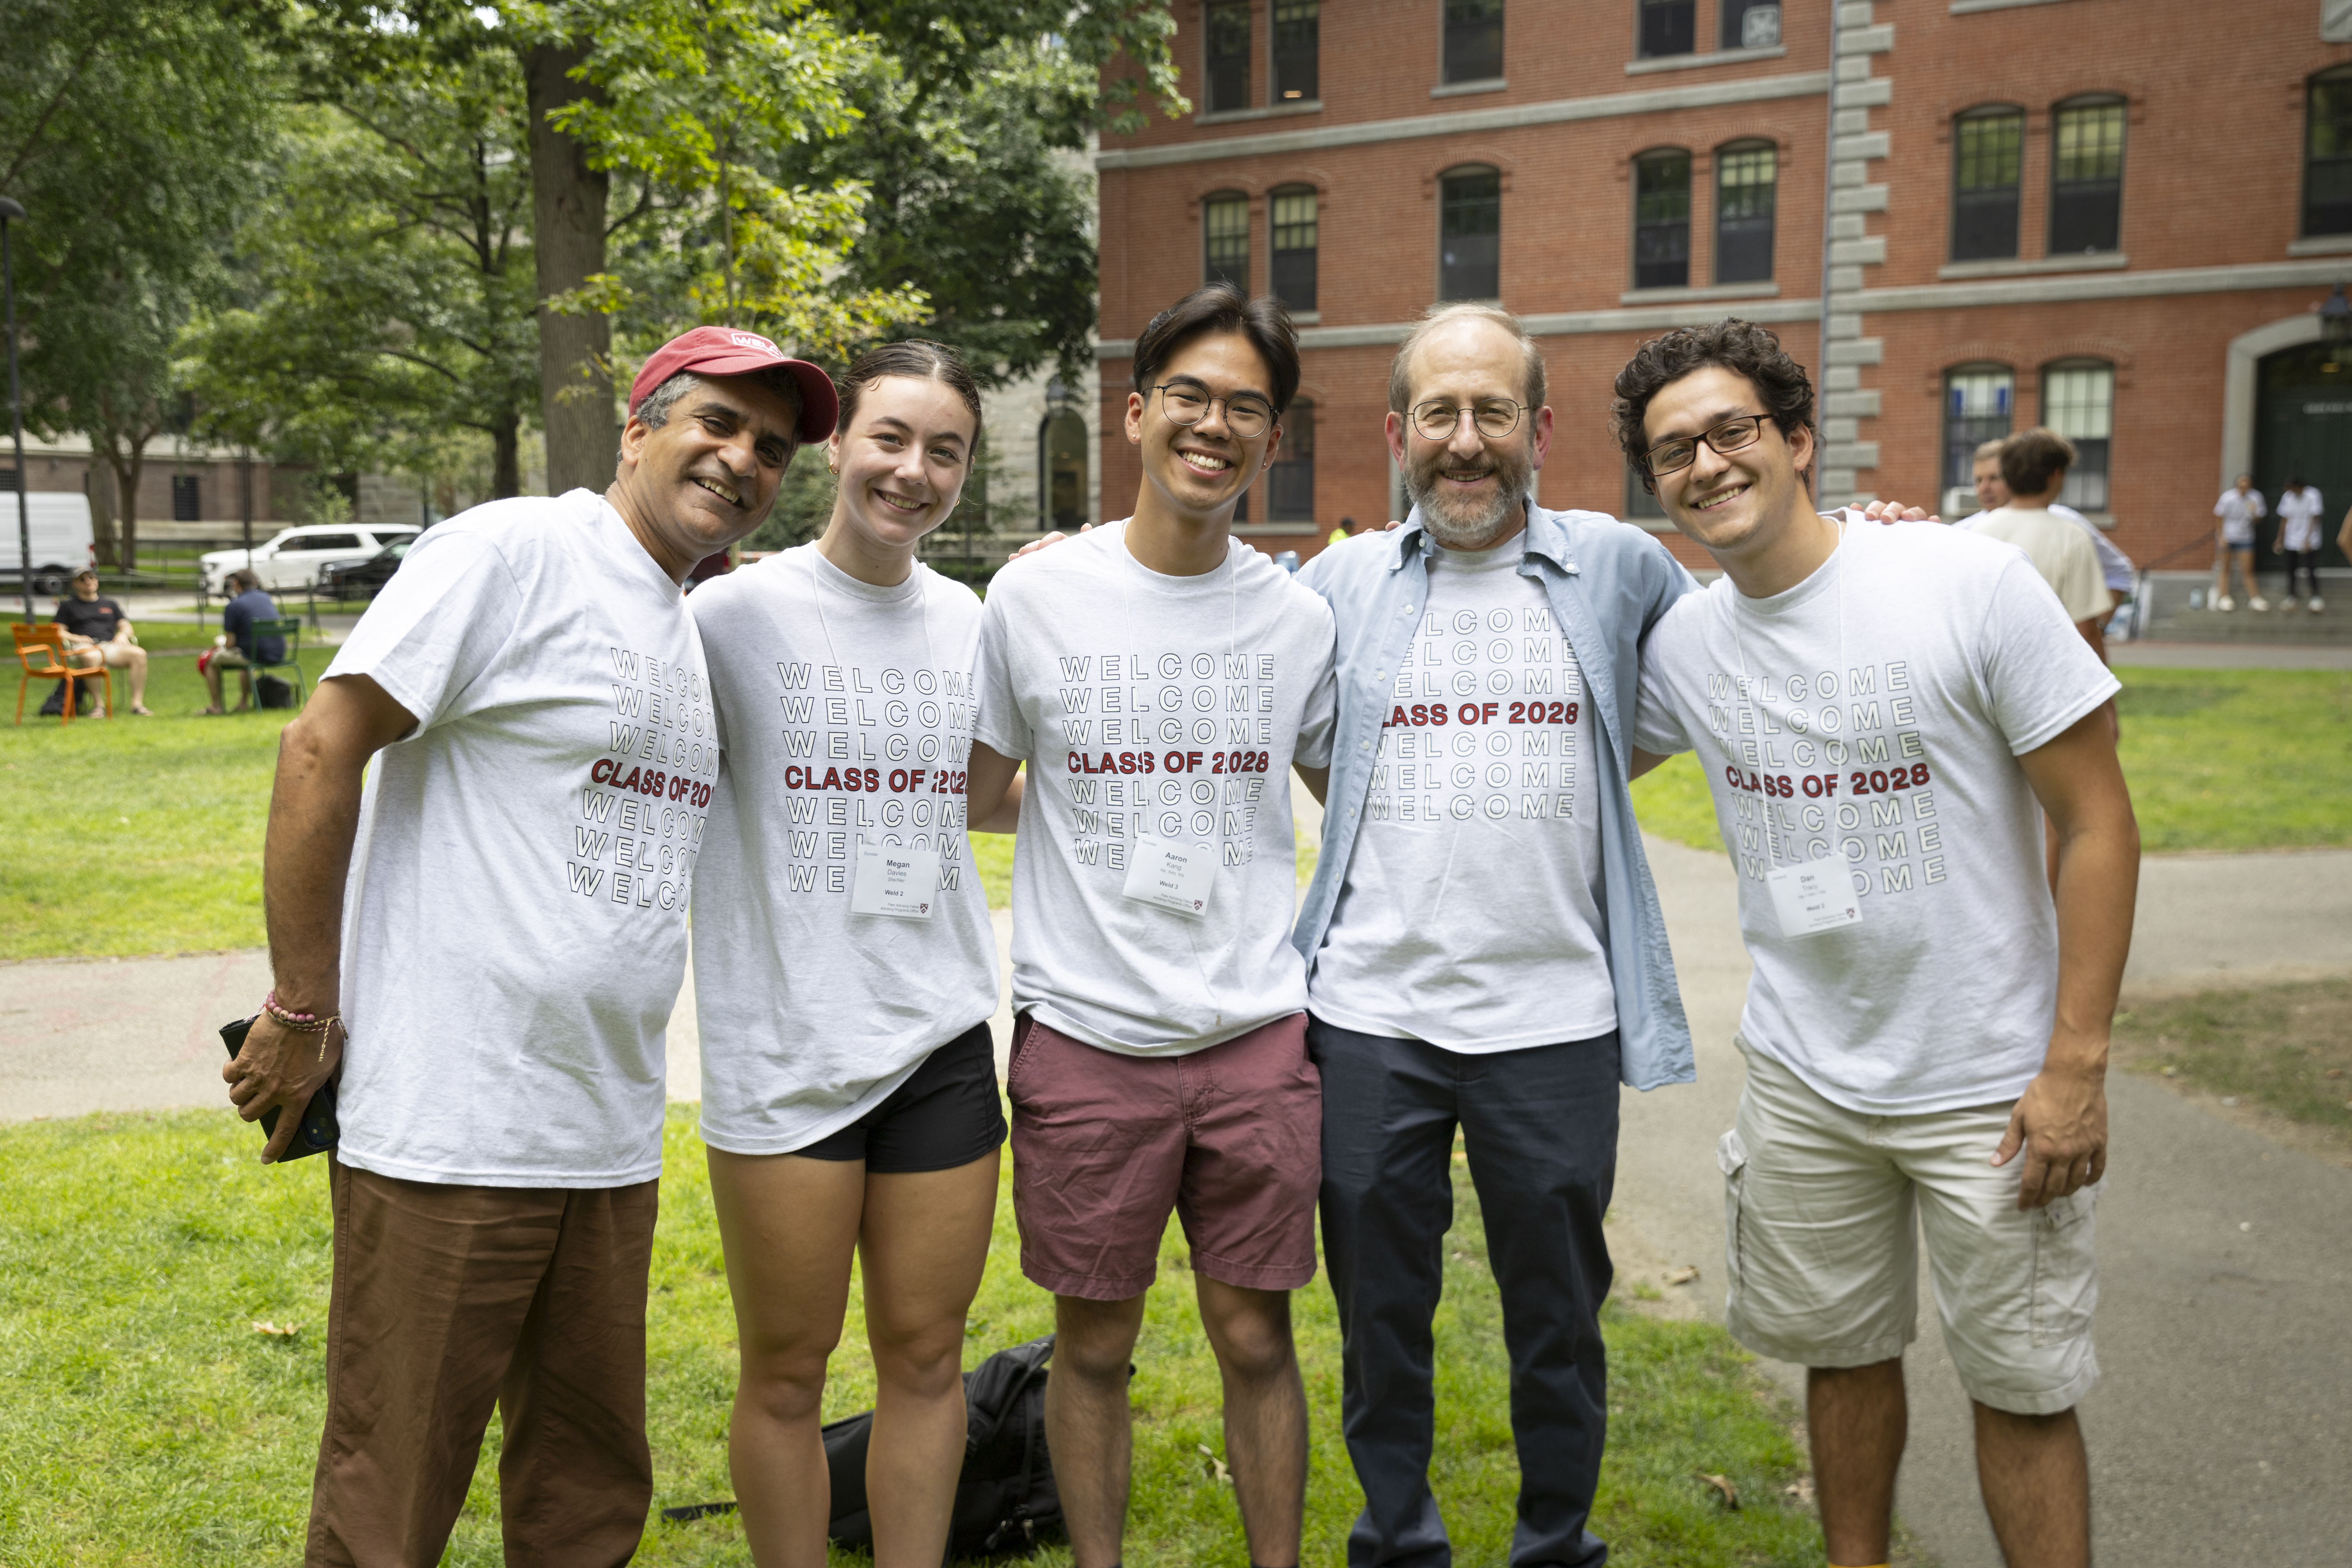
{"x": 2115, "y": 567}
{"x": 2299, "y": 506}
{"x": 2240, "y": 508}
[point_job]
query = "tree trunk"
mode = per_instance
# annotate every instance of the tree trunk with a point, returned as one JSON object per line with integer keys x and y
{"x": 101, "y": 521}
{"x": 568, "y": 200}
{"x": 506, "y": 459}
{"x": 126, "y": 488}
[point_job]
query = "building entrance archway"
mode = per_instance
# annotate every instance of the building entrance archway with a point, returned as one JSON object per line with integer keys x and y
{"x": 2303, "y": 428}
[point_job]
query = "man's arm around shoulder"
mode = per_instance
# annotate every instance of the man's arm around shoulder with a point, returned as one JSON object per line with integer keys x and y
{"x": 314, "y": 812}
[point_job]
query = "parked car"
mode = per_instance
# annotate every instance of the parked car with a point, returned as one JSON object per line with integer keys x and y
{"x": 365, "y": 579}
{"x": 62, "y": 539}
{"x": 296, "y": 556}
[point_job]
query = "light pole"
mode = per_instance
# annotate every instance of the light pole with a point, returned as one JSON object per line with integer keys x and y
{"x": 11, "y": 210}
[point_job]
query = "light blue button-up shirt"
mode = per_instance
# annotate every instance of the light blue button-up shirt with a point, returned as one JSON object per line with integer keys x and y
{"x": 1608, "y": 583}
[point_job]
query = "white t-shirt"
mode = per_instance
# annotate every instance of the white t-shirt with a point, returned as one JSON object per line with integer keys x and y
{"x": 1855, "y": 720}
{"x": 2115, "y": 567}
{"x": 514, "y": 929}
{"x": 2237, "y": 513}
{"x": 2299, "y": 518}
{"x": 1470, "y": 916}
{"x": 2060, "y": 553}
{"x": 1154, "y": 709}
{"x": 844, "y": 720}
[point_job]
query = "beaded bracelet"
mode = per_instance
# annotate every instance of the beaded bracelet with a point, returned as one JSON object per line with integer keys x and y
{"x": 302, "y": 1023}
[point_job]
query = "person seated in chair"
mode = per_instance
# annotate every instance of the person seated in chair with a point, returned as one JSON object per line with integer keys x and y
{"x": 237, "y": 649}
{"x": 99, "y": 635}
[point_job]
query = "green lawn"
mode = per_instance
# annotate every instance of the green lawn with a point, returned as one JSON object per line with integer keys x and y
{"x": 2216, "y": 759}
{"x": 149, "y": 1423}
{"x": 2285, "y": 1048}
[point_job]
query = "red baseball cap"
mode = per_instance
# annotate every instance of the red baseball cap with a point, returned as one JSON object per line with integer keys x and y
{"x": 726, "y": 351}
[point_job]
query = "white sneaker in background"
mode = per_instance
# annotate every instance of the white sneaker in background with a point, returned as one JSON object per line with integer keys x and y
{"x": 2317, "y": 603}
{"x": 2225, "y": 603}
{"x": 2258, "y": 604}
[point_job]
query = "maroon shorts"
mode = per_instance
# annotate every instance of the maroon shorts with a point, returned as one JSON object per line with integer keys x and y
{"x": 1104, "y": 1145}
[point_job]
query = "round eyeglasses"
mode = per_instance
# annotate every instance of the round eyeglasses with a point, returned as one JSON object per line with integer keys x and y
{"x": 1724, "y": 436}
{"x": 1246, "y": 415}
{"x": 1495, "y": 417}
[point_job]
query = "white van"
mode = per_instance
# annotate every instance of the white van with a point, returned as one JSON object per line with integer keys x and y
{"x": 63, "y": 543}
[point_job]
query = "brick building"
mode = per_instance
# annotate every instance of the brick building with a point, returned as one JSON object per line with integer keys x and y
{"x": 2114, "y": 219}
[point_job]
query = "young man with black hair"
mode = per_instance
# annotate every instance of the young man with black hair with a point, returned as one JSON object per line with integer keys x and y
{"x": 1161, "y": 678}
{"x": 1921, "y": 1010}
{"x": 98, "y": 632}
{"x": 487, "y": 939}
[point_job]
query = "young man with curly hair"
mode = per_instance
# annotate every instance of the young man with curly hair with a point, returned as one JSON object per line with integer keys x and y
{"x": 1922, "y": 1009}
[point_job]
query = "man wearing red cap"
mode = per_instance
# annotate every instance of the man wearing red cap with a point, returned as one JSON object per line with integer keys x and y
{"x": 485, "y": 942}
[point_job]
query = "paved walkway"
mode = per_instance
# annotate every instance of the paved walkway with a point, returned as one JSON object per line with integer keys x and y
{"x": 2219, "y": 1433}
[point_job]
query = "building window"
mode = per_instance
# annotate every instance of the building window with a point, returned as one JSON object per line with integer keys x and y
{"x": 1988, "y": 160}
{"x": 1229, "y": 53}
{"x": 1747, "y": 183}
{"x": 1062, "y": 471}
{"x": 1224, "y": 227}
{"x": 1473, "y": 40}
{"x": 2327, "y": 155}
{"x": 2078, "y": 401}
{"x": 1639, "y": 500}
{"x": 1292, "y": 210}
{"x": 1470, "y": 234}
{"x": 1297, "y": 48}
{"x": 187, "y": 505}
{"x": 1290, "y": 480}
{"x": 1751, "y": 24}
{"x": 1669, "y": 27}
{"x": 1661, "y": 219}
{"x": 2087, "y": 177}
{"x": 1976, "y": 403}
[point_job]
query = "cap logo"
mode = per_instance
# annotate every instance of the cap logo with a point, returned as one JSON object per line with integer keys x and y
{"x": 751, "y": 341}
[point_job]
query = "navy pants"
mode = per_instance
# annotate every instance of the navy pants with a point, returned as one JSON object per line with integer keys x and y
{"x": 1540, "y": 1129}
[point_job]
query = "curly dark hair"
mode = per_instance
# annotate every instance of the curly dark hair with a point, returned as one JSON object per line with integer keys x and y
{"x": 1740, "y": 347}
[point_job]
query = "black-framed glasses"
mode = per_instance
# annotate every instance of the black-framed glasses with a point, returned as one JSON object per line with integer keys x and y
{"x": 1247, "y": 415}
{"x": 1725, "y": 436}
{"x": 1495, "y": 417}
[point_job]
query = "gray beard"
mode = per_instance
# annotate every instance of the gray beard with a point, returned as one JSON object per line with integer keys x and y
{"x": 1458, "y": 525}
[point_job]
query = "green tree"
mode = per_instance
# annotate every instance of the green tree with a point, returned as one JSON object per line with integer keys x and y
{"x": 132, "y": 131}
{"x": 392, "y": 290}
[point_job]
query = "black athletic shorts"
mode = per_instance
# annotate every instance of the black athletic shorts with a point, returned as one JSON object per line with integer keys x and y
{"x": 947, "y": 1113}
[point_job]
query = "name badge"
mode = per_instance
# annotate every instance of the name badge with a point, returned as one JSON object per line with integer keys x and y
{"x": 1172, "y": 876}
{"x": 898, "y": 882}
{"x": 1815, "y": 897}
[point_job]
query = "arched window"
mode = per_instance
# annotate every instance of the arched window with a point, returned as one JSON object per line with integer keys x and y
{"x": 1224, "y": 238}
{"x": 1291, "y": 209}
{"x": 2086, "y": 176}
{"x": 1661, "y": 219}
{"x": 1747, "y": 183}
{"x": 1988, "y": 165}
{"x": 1290, "y": 480}
{"x": 1062, "y": 471}
{"x": 2078, "y": 402}
{"x": 2327, "y": 154}
{"x": 1979, "y": 400}
{"x": 1228, "y": 60}
{"x": 1470, "y": 234}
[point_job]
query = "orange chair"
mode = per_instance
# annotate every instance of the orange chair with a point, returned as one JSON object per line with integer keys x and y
{"x": 42, "y": 651}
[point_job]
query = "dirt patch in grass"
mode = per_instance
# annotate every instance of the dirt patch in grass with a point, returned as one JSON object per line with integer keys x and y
{"x": 2276, "y": 1058}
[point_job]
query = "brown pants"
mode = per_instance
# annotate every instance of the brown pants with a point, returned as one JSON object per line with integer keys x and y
{"x": 448, "y": 1300}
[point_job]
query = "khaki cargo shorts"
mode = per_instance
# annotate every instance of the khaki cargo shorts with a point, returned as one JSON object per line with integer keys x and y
{"x": 1823, "y": 1253}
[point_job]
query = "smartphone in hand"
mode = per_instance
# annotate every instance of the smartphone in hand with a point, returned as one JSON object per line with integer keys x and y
{"x": 318, "y": 1132}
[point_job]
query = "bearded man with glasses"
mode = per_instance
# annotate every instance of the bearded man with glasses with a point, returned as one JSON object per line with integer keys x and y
{"x": 1484, "y": 948}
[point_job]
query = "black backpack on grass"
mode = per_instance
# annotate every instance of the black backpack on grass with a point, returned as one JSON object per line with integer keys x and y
{"x": 1006, "y": 1501}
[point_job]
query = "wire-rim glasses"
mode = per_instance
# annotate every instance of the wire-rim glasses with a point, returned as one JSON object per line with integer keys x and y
{"x": 1725, "y": 436}
{"x": 1186, "y": 402}
{"x": 1495, "y": 417}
